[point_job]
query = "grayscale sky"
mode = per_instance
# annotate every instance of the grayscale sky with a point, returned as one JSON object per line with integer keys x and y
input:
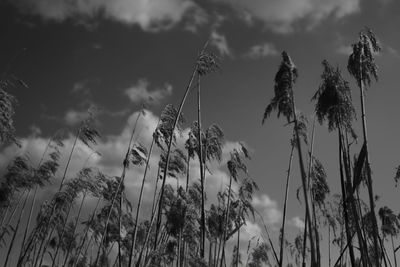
{"x": 116, "y": 54}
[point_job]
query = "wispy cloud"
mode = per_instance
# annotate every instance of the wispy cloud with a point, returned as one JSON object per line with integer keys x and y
{"x": 282, "y": 15}
{"x": 393, "y": 52}
{"x": 272, "y": 214}
{"x": 344, "y": 50}
{"x": 97, "y": 46}
{"x": 74, "y": 117}
{"x": 84, "y": 87}
{"x": 140, "y": 92}
{"x": 157, "y": 15}
{"x": 219, "y": 41}
{"x": 151, "y": 15}
{"x": 261, "y": 51}
{"x": 249, "y": 231}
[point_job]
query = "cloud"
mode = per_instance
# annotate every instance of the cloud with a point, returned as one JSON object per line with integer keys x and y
{"x": 158, "y": 15}
{"x": 393, "y": 52}
{"x": 219, "y": 41}
{"x": 249, "y": 231}
{"x": 344, "y": 50}
{"x": 35, "y": 130}
{"x": 197, "y": 18}
{"x": 83, "y": 87}
{"x": 150, "y": 15}
{"x": 297, "y": 222}
{"x": 347, "y": 50}
{"x": 269, "y": 209}
{"x": 282, "y": 15}
{"x": 140, "y": 92}
{"x": 112, "y": 149}
{"x": 97, "y": 46}
{"x": 262, "y": 50}
{"x": 74, "y": 117}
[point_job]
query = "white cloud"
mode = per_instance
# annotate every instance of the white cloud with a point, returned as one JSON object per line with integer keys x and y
{"x": 249, "y": 231}
{"x": 344, "y": 50}
{"x": 35, "y": 130}
{"x": 197, "y": 18}
{"x": 262, "y": 50}
{"x": 73, "y": 117}
{"x": 219, "y": 41}
{"x": 269, "y": 209}
{"x": 297, "y": 222}
{"x": 140, "y": 92}
{"x": 281, "y": 15}
{"x": 156, "y": 15}
{"x": 150, "y": 15}
{"x": 112, "y": 149}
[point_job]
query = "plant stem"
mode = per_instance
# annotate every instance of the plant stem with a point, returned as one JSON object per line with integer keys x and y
{"x": 268, "y": 236}
{"x": 187, "y": 171}
{"x": 155, "y": 193}
{"x": 202, "y": 178}
{"x": 78, "y": 251}
{"x": 11, "y": 215}
{"x": 75, "y": 227}
{"x": 152, "y": 219}
{"x": 15, "y": 231}
{"x": 45, "y": 223}
{"x": 350, "y": 197}
{"x": 329, "y": 245}
{"x": 304, "y": 182}
{"x": 394, "y": 252}
{"x": 226, "y": 220}
{"x": 121, "y": 181}
{"x": 285, "y": 206}
{"x": 344, "y": 200}
{"x": 69, "y": 160}
{"x": 237, "y": 247}
{"x": 139, "y": 204}
{"x": 167, "y": 160}
{"x": 375, "y": 232}
{"x": 310, "y": 163}
{"x": 33, "y": 201}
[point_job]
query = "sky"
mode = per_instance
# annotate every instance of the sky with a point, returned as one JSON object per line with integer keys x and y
{"x": 74, "y": 54}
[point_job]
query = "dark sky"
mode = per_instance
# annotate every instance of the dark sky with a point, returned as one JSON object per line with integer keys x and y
{"x": 114, "y": 54}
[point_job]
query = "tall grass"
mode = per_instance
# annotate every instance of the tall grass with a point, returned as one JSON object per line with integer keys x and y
{"x": 90, "y": 220}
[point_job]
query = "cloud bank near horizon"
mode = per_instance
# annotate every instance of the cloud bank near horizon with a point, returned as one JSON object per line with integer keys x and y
{"x": 159, "y": 15}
